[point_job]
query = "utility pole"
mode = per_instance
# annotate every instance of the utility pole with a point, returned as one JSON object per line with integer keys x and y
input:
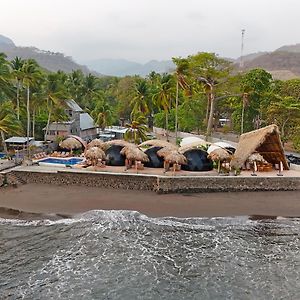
{"x": 242, "y": 49}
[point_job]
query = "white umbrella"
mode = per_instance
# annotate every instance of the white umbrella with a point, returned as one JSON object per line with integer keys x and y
{"x": 192, "y": 140}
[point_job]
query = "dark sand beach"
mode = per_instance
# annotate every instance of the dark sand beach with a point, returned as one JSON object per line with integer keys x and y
{"x": 69, "y": 200}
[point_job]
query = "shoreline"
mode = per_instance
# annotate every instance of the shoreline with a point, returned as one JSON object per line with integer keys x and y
{"x": 64, "y": 201}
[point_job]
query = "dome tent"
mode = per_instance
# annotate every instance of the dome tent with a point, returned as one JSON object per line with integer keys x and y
{"x": 154, "y": 160}
{"x": 197, "y": 160}
{"x": 114, "y": 156}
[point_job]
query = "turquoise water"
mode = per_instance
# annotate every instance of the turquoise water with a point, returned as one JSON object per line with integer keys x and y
{"x": 62, "y": 161}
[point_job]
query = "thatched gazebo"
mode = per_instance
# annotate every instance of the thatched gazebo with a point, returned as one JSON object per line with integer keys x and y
{"x": 134, "y": 155}
{"x": 70, "y": 144}
{"x": 171, "y": 157}
{"x": 219, "y": 155}
{"x": 94, "y": 154}
{"x": 265, "y": 141}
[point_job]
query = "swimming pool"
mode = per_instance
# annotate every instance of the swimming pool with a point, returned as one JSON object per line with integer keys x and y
{"x": 2, "y": 155}
{"x": 51, "y": 161}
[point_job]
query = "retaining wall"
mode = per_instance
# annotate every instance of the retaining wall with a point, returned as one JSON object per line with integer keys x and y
{"x": 162, "y": 184}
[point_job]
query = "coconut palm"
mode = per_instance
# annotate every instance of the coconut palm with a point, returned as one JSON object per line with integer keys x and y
{"x": 102, "y": 114}
{"x": 90, "y": 88}
{"x": 180, "y": 74}
{"x": 137, "y": 130}
{"x": 54, "y": 94}
{"x": 139, "y": 102}
{"x": 163, "y": 96}
{"x": 17, "y": 66}
{"x": 8, "y": 122}
{"x": 31, "y": 73}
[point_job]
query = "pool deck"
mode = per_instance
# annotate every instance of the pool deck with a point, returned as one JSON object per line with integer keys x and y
{"x": 155, "y": 180}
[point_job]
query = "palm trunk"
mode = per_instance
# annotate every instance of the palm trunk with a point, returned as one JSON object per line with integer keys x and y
{"x": 48, "y": 124}
{"x": 33, "y": 123}
{"x": 3, "y": 142}
{"x": 18, "y": 101}
{"x": 211, "y": 115}
{"x": 176, "y": 111}
{"x": 28, "y": 119}
{"x": 167, "y": 125}
{"x": 207, "y": 108}
{"x": 242, "y": 120}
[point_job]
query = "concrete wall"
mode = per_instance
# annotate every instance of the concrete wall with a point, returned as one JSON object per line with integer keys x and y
{"x": 161, "y": 184}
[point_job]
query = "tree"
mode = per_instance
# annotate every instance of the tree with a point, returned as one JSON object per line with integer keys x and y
{"x": 285, "y": 112}
{"x": 210, "y": 71}
{"x": 163, "y": 96}
{"x": 139, "y": 102}
{"x": 17, "y": 66}
{"x": 136, "y": 130}
{"x": 31, "y": 73}
{"x": 54, "y": 94}
{"x": 181, "y": 71}
{"x": 103, "y": 114}
{"x": 8, "y": 121}
{"x": 89, "y": 90}
{"x": 255, "y": 86}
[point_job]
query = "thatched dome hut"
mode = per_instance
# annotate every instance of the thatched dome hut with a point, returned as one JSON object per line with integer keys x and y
{"x": 157, "y": 143}
{"x": 133, "y": 153}
{"x": 265, "y": 141}
{"x": 97, "y": 143}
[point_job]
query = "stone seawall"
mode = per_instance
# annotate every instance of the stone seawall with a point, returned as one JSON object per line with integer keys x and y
{"x": 105, "y": 180}
{"x": 227, "y": 184}
{"x": 161, "y": 184}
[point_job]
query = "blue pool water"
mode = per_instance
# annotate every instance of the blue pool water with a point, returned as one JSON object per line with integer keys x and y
{"x": 2, "y": 155}
{"x": 61, "y": 161}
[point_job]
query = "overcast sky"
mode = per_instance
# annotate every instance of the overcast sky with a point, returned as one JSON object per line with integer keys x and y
{"x": 141, "y": 30}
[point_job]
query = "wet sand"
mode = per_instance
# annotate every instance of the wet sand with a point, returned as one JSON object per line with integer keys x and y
{"x": 49, "y": 199}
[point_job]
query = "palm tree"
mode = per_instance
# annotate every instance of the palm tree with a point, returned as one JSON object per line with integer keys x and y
{"x": 55, "y": 94}
{"x": 180, "y": 73}
{"x": 102, "y": 114}
{"x": 31, "y": 73}
{"x": 139, "y": 102}
{"x": 137, "y": 130}
{"x": 90, "y": 88}
{"x": 17, "y": 65}
{"x": 8, "y": 122}
{"x": 4, "y": 77}
{"x": 74, "y": 84}
{"x": 163, "y": 96}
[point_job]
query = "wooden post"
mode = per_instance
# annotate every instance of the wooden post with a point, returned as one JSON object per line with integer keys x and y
{"x": 254, "y": 169}
{"x": 280, "y": 169}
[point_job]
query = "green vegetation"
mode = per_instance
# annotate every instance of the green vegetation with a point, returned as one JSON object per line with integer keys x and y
{"x": 202, "y": 89}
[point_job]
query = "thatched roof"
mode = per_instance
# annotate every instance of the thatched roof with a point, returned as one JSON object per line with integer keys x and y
{"x": 175, "y": 157}
{"x": 134, "y": 153}
{"x": 194, "y": 145}
{"x": 95, "y": 153}
{"x": 96, "y": 143}
{"x": 219, "y": 154}
{"x": 157, "y": 143}
{"x": 118, "y": 143}
{"x": 266, "y": 141}
{"x": 79, "y": 139}
{"x": 256, "y": 157}
{"x": 70, "y": 144}
{"x": 172, "y": 156}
